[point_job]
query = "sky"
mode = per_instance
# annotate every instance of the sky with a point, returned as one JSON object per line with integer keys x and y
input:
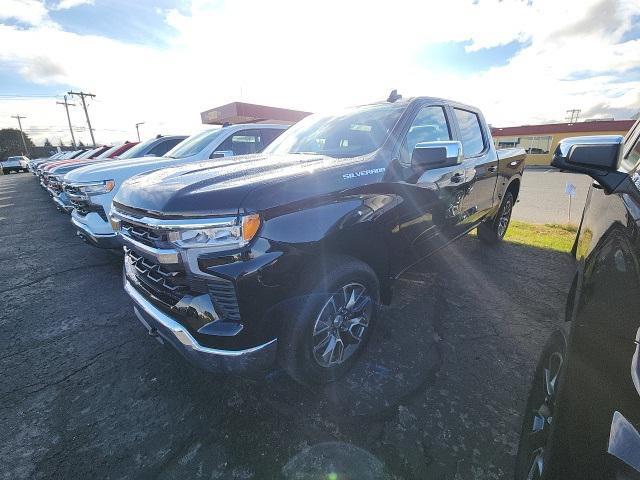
{"x": 164, "y": 62}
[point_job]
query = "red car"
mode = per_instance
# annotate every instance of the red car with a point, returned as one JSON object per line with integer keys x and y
{"x": 101, "y": 153}
{"x": 118, "y": 150}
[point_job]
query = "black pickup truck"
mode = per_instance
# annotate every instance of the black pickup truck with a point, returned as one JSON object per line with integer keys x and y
{"x": 285, "y": 255}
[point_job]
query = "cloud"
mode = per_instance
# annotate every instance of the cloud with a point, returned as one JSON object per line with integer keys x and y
{"x": 612, "y": 109}
{"x": 327, "y": 55}
{"x": 603, "y": 17}
{"x": 66, "y": 4}
{"x": 30, "y": 12}
{"x": 42, "y": 70}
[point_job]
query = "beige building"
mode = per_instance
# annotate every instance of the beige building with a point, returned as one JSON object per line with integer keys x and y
{"x": 540, "y": 141}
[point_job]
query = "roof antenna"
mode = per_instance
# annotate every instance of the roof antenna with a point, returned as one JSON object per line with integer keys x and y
{"x": 393, "y": 96}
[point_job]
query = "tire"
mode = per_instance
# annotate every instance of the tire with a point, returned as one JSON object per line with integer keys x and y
{"x": 493, "y": 230}
{"x": 536, "y": 453}
{"x": 339, "y": 310}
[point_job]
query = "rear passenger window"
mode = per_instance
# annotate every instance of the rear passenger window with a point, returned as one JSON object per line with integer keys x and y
{"x": 469, "y": 124}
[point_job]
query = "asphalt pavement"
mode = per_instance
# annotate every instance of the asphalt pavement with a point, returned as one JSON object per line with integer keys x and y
{"x": 544, "y": 197}
{"x": 85, "y": 392}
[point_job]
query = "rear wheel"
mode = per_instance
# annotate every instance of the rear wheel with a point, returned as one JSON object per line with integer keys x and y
{"x": 330, "y": 328}
{"x": 494, "y": 230}
{"x": 535, "y": 451}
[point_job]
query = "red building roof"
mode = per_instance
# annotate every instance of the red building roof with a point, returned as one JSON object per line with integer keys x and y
{"x": 577, "y": 127}
{"x": 239, "y": 112}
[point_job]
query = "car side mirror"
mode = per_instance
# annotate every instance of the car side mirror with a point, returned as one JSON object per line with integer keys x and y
{"x": 597, "y": 156}
{"x": 430, "y": 155}
{"x": 222, "y": 153}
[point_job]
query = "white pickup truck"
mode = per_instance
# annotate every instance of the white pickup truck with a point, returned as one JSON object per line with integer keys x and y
{"x": 91, "y": 188}
{"x": 14, "y": 164}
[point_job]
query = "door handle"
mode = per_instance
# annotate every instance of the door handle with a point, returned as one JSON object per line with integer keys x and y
{"x": 457, "y": 177}
{"x": 492, "y": 168}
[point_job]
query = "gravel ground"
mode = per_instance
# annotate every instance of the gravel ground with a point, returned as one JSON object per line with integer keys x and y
{"x": 86, "y": 393}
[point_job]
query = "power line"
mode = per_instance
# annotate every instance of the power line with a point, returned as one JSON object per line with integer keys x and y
{"x": 8, "y": 95}
{"x": 66, "y": 107}
{"x": 82, "y": 96}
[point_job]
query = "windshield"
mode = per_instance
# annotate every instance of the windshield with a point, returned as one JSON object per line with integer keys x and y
{"x": 87, "y": 154}
{"x": 108, "y": 152}
{"x": 138, "y": 151}
{"x": 350, "y": 133}
{"x": 194, "y": 144}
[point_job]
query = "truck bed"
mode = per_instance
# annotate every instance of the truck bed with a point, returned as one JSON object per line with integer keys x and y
{"x": 511, "y": 155}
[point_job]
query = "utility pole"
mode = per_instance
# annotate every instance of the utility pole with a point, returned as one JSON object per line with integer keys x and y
{"x": 573, "y": 114}
{"x": 24, "y": 142}
{"x": 84, "y": 105}
{"x": 66, "y": 106}
{"x": 138, "y": 129}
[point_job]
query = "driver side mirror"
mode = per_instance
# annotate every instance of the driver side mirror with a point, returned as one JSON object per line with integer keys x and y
{"x": 430, "y": 155}
{"x": 222, "y": 153}
{"x": 596, "y": 156}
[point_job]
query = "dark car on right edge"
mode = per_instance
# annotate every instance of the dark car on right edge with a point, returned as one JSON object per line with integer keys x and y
{"x": 582, "y": 419}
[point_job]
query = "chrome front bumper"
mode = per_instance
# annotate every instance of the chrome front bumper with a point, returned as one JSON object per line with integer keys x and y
{"x": 99, "y": 240}
{"x": 162, "y": 326}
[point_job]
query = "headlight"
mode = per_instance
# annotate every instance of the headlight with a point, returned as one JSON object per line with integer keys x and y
{"x": 95, "y": 188}
{"x": 218, "y": 237}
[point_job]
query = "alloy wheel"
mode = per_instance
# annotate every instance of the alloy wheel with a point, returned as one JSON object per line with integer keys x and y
{"x": 341, "y": 325}
{"x": 505, "y": 217}
{"x": 541, "y": 417}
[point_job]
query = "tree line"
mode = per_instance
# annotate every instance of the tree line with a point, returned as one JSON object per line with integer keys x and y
{"x": 11, "y": 143}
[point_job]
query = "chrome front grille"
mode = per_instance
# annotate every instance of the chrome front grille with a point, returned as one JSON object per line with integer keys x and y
{"x": 84, "y": 207}
{"x": 142, "y": 234}
{"x": 80, "y": 207}
{"x": 72, "y": 189}
{"x": 168, "y": 286}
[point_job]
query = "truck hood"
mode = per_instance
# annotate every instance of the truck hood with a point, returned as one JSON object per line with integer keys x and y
{"x": 216, "y": 187}
{"x": 67, "y": 167}
{"x": 118, "y": 170}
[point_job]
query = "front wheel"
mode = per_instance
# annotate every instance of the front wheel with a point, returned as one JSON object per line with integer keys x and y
{"x": 535, "y": 451}
{"x": 494, "y": 230}
{"x": 332, "y": 324}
